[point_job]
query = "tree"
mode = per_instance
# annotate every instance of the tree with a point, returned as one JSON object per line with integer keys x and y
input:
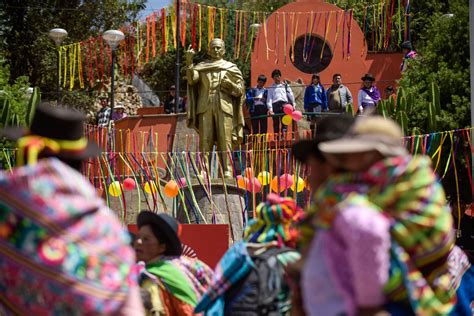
{"x": 444, "y": 59}
{"x": 30, "y": 52}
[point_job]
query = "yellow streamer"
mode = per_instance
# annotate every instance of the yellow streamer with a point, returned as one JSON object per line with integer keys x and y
{"x": 326, "y": 35}
{"x": 200, "y": 26}
{"x": 173, "y": 26}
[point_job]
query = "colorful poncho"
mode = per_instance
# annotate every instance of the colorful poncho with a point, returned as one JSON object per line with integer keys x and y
{"x": 407, "y": 190}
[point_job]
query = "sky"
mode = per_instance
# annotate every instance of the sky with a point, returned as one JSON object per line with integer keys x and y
{"x": 156, "y": 5}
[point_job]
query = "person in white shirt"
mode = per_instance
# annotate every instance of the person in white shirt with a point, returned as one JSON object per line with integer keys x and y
{"x": 369, "y": 95}
{"x": 279, "y": 94}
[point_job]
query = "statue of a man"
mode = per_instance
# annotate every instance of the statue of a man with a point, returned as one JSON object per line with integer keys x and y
{"x": 216, "y": 93}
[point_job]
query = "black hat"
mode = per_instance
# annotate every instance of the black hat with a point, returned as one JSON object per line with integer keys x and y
{"x": 61, "y": 125}
{"x": 329, "y": 128}
{"x": 368, "y": 76}
{"x": 262, "y": 78}
{"x": 167, "y": 225}
{"x": 276, "y": 72}
{"x": 407, "y": 45}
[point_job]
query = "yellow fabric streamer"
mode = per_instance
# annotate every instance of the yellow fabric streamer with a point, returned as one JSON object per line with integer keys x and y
{"x": 65, "y": 66}
{"x": 200, "y": 26}
{"x": 34, "y": 144}
{"x": 79, "y": 66}
{"x": 326, "y": 35}
{"x": 221, "y": 24}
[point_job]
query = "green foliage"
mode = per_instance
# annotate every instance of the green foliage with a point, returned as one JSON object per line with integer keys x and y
{"x": 13, "y": 97}
{"x": 30, "y": 52}
{"x": 444, "y": 60}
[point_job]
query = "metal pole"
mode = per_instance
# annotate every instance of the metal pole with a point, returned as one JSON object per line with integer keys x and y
{"x": 112, "y": 87}
{"x": 58, "y": 87}
{"x": 178, "y": 55}
{"x": 471, "y": 46}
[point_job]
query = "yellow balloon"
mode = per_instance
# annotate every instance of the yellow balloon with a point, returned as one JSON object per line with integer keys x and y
{"x": 150, "y": 187}
{"x": 286, "y": 120}
{"x": 298, "y": 184}
{"x": 264, "y": 177}
{"x": 115, "y": 189}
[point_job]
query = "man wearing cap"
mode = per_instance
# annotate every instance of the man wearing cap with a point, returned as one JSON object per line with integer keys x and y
{"x": 170, "y": 102}
{"x": 62, "y": 250}
{"x": 257, "y": 105}
{"x": 409, "y": 53}
{"x": 216, "y": 94}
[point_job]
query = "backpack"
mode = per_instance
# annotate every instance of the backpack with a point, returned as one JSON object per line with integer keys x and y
{"x": 260, "y": 292}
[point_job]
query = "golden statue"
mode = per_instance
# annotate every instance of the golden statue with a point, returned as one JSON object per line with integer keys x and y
{"x": 216, "y": 93}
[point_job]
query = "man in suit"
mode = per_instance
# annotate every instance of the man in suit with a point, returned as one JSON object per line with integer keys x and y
{"x": 216, "y": 93}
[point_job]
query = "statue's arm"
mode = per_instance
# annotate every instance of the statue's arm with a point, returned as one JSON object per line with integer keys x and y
{"x": 235, "y": 88}
{"x": 192, "y": 75}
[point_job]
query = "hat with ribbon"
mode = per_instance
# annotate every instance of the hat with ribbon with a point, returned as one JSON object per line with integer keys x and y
{"x": 54, "y": 132}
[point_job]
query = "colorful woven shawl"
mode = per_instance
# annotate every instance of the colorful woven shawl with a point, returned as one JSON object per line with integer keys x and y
{"x": 407, "y": 190}
{"x": 275, "y": 221}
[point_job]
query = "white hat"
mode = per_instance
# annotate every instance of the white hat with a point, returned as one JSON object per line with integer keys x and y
{"x": 372, "y": 133}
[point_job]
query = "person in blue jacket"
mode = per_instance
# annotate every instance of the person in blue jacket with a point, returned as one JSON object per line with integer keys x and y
{"x": 315, "y": 100}
{"x": 257, "y": 105}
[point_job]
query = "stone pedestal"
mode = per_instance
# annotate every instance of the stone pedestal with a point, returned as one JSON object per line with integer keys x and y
{"x": 224, "y": 208}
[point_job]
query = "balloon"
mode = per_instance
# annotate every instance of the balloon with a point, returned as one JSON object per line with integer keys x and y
{"x": 254, "y": 185}
{"x": 286, "y": 181}
{"x": 298, "y": 184}
{"x": 248, "y": 173}
{"x": 171, "y": 189}
{"x": 297, "y": 116}
{"x": 274, "y": 185}
{"x": 150, "y": 187}
{"x": 115, "y": 189}
{"x": 286, "y": 120}
{"x": 264, "y": 177}
{"x": 242, "y": 182}
{"x": 129, "y": 184}
{"x": 182, "y": 182}
{"x": 288, "y": 109}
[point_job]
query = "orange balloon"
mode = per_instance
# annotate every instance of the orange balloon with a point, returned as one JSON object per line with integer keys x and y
{"x": 242, "y": 182}
{"x": 274, "y": 185}
{"x": 171, "y": 189}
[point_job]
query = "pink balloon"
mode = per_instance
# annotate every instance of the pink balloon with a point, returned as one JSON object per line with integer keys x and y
{"x": 288, "y": 109}
{"x": 286, "y": 181}
{"x": 129, "y": 184}
{"x": 297, "y": 116}
{"x": 181, "y": 182}
{"x": 253, "y": 185}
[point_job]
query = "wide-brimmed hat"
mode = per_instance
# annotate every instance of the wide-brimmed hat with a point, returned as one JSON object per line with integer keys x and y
{"x": 406, "y": 45}
{"x": 60, "y": 128}
{"x": 119, "y": 106}
{"x": 368, "y": 76}
{"x": 329, "y": 128}
{"x": 167, "y": 225}
{"x": 372, "y": 133}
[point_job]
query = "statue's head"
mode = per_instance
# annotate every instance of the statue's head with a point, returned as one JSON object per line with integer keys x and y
{"x": 217, "y": 49}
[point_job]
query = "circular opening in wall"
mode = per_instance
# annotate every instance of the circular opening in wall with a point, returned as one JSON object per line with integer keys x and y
{"x": 307, "y": 54}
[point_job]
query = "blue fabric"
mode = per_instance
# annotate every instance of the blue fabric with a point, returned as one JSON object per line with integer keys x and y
{"x": 315, "y": 95}
{"x": 465, "y": 295}
{"x": 249, "y": 97}
{"x": 233, "y": 266}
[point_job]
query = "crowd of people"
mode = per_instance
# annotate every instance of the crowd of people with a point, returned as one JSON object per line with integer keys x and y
{"x": 377, "y": 240}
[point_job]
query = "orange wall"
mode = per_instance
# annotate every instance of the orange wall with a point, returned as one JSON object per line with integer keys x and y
{"x": 383, "y": 66}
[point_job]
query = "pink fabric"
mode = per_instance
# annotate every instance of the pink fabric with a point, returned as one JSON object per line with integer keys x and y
{"x": 356, "y": 252}
{"x": 133, "y": 306}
